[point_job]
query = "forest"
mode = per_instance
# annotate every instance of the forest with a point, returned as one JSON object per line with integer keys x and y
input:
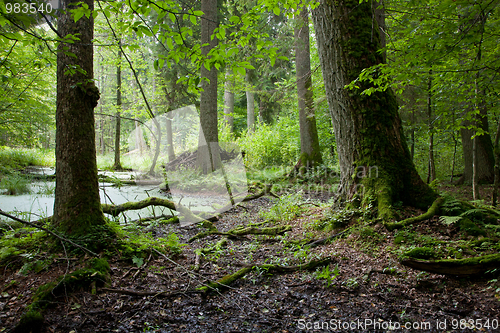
{"x": 249, "y": 165}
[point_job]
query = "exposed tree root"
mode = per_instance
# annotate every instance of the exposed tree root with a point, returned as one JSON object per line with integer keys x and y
{"x": 458, "y": 267}
{"x": 271, "y": 231}
{"x": 115, "y": 210}
{"x": 433, "y": 210}
{"x": 228, "y": 279}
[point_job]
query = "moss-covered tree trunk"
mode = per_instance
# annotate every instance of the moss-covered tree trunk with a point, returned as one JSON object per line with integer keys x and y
{"x": 77, "y": 205}
{"x": 310, "y": 154}
{"x": 375, "y": 163}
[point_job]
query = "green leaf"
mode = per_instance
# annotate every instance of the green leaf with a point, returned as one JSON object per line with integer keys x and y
{"x": 276, "y": 11}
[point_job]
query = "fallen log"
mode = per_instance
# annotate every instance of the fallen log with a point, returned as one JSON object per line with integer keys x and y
{"x": 457, "y": 267}
{"x": 228, "y": 279}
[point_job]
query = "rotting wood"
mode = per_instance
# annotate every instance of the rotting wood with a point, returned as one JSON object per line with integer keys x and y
{"x": 433, "y": 210}
{"x": 457, "y": 267}
{"x": 228, "y": 279}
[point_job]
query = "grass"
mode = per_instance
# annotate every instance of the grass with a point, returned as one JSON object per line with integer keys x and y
{"x": 17, "y": 158}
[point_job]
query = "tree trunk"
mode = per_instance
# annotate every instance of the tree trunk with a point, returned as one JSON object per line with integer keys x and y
{"x": 208, "y": 158}
{"x": 250, "y": 102}
{"x": 229, "y": 101}
{"x": 77, "y": 204}
{"x": 375, "y": 163}
{"x": 496, "y": 182}
{"x": 118, "y": 165}
{"x": 486, "y": 159}
{"x": 431, "y": 175}
{"x": 309, "y": 142}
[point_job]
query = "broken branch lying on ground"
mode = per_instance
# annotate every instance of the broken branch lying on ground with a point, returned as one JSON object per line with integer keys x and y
{"x": 271, "y": 231}
{"x": 228, "y": 279}
{"x": 458, "y": 267}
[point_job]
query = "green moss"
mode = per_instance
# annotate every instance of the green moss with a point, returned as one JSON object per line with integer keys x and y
{"x": 470, "y": 228}
{"x": 30, "y": 322}
{"x": 421, "y": 253}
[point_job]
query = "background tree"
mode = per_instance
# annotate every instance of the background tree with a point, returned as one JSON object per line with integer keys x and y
{"x": 77, "y": 204}
{"x": 310, "y": 154}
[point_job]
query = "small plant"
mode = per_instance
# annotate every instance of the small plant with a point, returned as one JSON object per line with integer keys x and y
{"x": 285, "y": 209}
{"x": 15, "y": 184}
{"x": 327, "y": 275}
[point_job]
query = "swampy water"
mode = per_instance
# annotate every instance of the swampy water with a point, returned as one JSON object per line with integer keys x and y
{"x": 39, "y": 202}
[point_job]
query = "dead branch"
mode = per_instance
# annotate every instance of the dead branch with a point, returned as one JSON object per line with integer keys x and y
{"x": 115, "y": 210}
{"x": 238, "y": 232}
{"x": 228, "y": 279}
{"x": 458, "y": 267}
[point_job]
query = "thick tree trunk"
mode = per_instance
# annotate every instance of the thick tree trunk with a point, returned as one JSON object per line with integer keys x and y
{"x": 309, "y": 142}
{"x": 77, "y": 204}
{"x": 250, "y": 102}
{"x": 375, "y": 163}
{"x": 229, "y": 101}
{"x": 208, "y": 158}
{"x": 118, "y": 165}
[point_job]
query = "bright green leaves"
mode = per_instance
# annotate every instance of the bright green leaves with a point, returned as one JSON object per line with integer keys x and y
{"x": 83, "y": 9}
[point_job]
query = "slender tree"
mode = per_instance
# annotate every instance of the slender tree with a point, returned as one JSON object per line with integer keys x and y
{"x": 375, "y": 162}
{"x": 77, "y": 204}
{"x": 250, "y": 101}
{"x": 229, "y": 101}
{"x": 208, "y": 157}
{"x": 309, "y": 142}
{"x": 118, "y": 165}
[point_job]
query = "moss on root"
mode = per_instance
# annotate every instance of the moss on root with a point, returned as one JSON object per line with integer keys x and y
{"x": 97, "y": 272}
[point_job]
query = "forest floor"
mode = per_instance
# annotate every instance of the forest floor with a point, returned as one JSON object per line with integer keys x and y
{"x": 364, "y": 288}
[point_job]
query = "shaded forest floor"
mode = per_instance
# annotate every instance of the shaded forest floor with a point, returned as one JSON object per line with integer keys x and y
{"x": 364, "y": 286}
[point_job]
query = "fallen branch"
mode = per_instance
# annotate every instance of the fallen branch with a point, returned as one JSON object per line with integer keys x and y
{"x": 271, "y": 231}
{"x": 265, "y": 191}
{"x": 433, "y": 210}
{"x": 49, "y": 232}
{"x": 115, "y": 210}
{"x": 228, "y": 279}
{"x": 458, "y": 267}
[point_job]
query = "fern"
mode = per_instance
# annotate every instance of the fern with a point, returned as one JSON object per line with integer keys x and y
{"x": 447, "y": 220}
{"x": 451, "y": 206}
{"x": 474, "y": 213}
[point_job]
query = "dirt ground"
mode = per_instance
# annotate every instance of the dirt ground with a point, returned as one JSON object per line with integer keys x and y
{"x": 369, "y": 290}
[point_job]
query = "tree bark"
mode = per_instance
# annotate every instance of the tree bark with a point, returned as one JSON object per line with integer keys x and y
{"x": 375, "y": 163}
{"x": 77, "y": 204}
{"x": 118, "y": 165}
{"x": 208, "y": 159}
{"x": 309, "y": 142}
